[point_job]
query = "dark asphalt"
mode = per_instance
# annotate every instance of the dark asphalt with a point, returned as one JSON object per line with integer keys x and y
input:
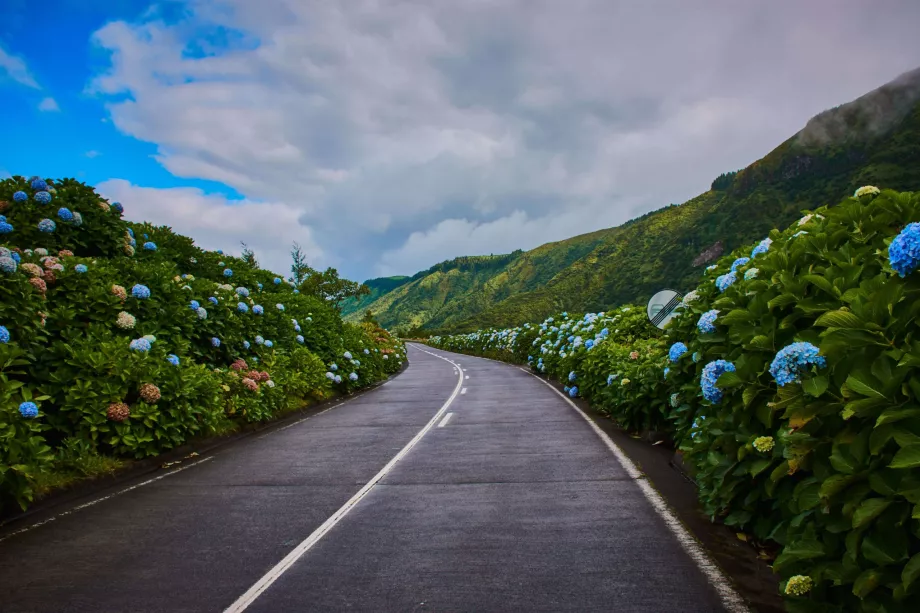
{"x": 514, "y": 505}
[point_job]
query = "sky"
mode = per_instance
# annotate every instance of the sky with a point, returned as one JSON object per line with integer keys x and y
{"x": 386, "y": 136}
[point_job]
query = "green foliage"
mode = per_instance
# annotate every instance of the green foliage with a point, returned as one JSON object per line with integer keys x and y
{"x": 70, "y": 335}
{"x": 826, "y": 465}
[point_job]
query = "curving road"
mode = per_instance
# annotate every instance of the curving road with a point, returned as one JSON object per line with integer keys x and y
{"x": 471, "y": 489}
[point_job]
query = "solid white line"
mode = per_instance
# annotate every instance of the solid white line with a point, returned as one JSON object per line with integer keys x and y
{"x": 279, "y": 569}
{"x": 731, "y": 600}
{"x": 98, "y": 500}
{"x": 463, "y": 391}
{"x": 446, "y": 419}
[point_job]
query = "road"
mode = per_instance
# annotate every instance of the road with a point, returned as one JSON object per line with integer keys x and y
{"x": 470, "y": 488}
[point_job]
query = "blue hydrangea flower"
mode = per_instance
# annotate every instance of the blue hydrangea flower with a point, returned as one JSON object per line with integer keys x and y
{"x": 131, "y": 234}
{"x": 47, "y": 226}
{"x": 220, "y": 251}
{"x": 695, "y": 357}
{"x": 142, "y": 292}
{"x": 367, "y": 352}
{"x": 573, "y": 391}
{"x": 792, "y": 360}
{"x": 589, "y": 343}
{"x": 228, "y": 273}
{"x": 20, "y": 196}
{"x": 202, "y": 313}
{"x": 347, "y": 355}
{"x": 145, "y": 236}
{"x": 904, "y": 251}
{"x": 268, "y": 343}
{"x": 259, "y": 340}
{"x": 80, "y": 268}
{"x": 78, "y": 220}
{"x": 16, "y": 257}
{"x": 242, "y": 291}
{"x": 611, "y": 379}
{"x": 296, "y": 291}
{"x": 246, "y": 345}
{"x": 338, "y": 378}
{"x": 330, "y": 376}
{"x": 677, "y": 349}
{"x": 213, "y": 300}
{"x": 280, "y": 307}
{"x": 4, "y": 335}
{"x": 353, "y": 377}
{"x": 762, "y": 247}
{"x": 723, "y": 282}
{"x": 242, "y": 307}
{"x": 572, "y": 376}
{"x": 8, "y": 265}
{"x": 334, "y": 367}
{"x": 150, "y": 246}
{"x": 194, "y": 305}
{"x": 566, "y": 389}
{"x": 39, "y": 184}
{"x": 257, "y": 309}
{"x": 751, "y": 273}
{"x": 711, "y": 374}
{"x": 64, "y": 214}
{"x": 118, "y": 207}
{"x": 140, "y": 344}
{"x": 739, "y": 262}
{"x": 29, "y": 410}
{"x": 215, "y": 342}
{"x": 277, "y": 281}
{"x": 300, "y": 339}
{"x": 666, "y": 371}
{"x": 42, "y": 197}
{"x": 297, "y": 328}
{"x": 260, "y": 285}
{"x": 707, "y": 322}
{"x": 173, "y": 359}
{"x": 5, "y": 227}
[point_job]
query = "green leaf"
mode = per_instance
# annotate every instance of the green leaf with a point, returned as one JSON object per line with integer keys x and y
{"x": 815, "y": 386}
{"x": 864, "y": 388}
{"x": 823, "y": 284}
{"x": 868, "y": 510}
{"x": 893, "y": 415}
{"x": 805, "y": 549}
{"x": 729, "y": 379}
{"x": 840, "y": 319}
{"x": 749, "y": 394}
{"x": 907, "y": 457}
{"x": 761, "y": 342}
{"x": 911, "y": 571}
{"x": 885, "y": 547}
{"x": 834, "y": 484}
{"x": 866, "y": 582}
{"x": 842, "y": 461}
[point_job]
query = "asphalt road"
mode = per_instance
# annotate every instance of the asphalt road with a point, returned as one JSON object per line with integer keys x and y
{"x": 507, "y": 500}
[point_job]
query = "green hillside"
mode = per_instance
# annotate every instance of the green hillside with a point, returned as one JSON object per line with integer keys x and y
{"x": 872, "y": 140}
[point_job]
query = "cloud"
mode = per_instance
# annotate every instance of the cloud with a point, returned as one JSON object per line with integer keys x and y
{"x": 16, "y": 69}
{"x": 386, "y": 128}
{"x": 268, "y": 228}
{"x": 92, "y": 154}
{"x": 49, "y": 105}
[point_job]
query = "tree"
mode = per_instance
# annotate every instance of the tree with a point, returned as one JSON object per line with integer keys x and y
{"x": 328, "y": 286}
{"x": 369, "y": 318}
{"x": 249, "y": 255}
{"x": 300, "y": 270}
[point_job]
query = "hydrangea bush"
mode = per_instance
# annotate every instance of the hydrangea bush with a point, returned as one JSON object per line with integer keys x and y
{"x": 794, "y": 395}
{"x": 88, "y": 321}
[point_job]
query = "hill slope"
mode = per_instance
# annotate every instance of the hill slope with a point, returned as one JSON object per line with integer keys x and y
{"x": 872, "y": 140}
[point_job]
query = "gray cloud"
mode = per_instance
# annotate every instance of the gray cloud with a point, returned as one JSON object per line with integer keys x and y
{"x": 406, "y": 132}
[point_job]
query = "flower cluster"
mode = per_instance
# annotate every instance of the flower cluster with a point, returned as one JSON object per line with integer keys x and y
{"x": 763, "y": 444}
{"x": 47, "y": 226}
{"x": 150, "y": 246}
{"x": 799, "y": 585}
{"x": 723, "y": 282}
{"x": 711, "y": 374}
{"x": 707, "y": 323}
{"x": 257, "y": 309}
{"x": 29, "y": 410}
{"x": 64, "y": 214}
{"x": 80, "y": 268}
{"x": 677, "y": 349}
{"x": 149, "y": 393}
{"x": 762, "y": 247}
{"x": 125, "y": 320}
{"x": 792, "y": 359}
{"x": 242, "y": 307}
{"x": 4, "y": 335}
{"x": 118, "y": 411}
{"x": 173, "y": 359}
{"x": 120, "y": 292}
{"x": 141, "y": 292}
{"x": 904, "y": 251}
{"x": 140, "y": 344}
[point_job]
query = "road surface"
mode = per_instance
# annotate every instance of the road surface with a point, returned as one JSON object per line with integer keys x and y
{"x": 478, "y": 488}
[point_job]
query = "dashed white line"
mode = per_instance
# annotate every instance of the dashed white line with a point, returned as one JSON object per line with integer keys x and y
{"x": 463, "y": 391}
{"x": 98, "y": 500}
{"x": 243, "y": 602}
{"x": 467, "y": 377}
{"x": 732, "y": 601}
{"x": 446, "y": 419}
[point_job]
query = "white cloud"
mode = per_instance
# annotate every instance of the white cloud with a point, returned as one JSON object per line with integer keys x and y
{"x": 92, "y": 153}
{"x": 387, "y": 128}
{"x": 16, "y": 69}
{"x": 48, "y": 104}
{"x": 268, "y": 228}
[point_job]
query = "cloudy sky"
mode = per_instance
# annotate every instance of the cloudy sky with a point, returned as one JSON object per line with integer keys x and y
{"x": 385, "y": 136}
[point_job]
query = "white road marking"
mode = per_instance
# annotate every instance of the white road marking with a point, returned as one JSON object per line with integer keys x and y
{"x": 463, "y": 391}
{"x": 732, "y": 601}
{"x": 446, "y": 419}
{"x": 243, "y": 602}
{"x": 467, "y": 377}
{"x": 98, "y": 500}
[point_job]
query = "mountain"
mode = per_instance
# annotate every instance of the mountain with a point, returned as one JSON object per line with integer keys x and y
{"x": 873, "y": 140}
